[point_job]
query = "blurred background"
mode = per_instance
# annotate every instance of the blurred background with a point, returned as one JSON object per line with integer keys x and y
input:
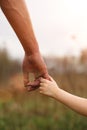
{"x": 60, "y": 27}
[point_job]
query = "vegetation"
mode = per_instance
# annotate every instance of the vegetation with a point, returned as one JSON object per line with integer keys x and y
{"x": 20, "y": 110}
{"x": 8, "y": 67}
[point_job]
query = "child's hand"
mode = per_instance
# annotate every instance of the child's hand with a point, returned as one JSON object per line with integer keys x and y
{"x": 49, "y": 88}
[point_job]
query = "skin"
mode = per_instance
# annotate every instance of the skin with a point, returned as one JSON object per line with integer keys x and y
{"x": 51, "y": 89}
{"x": 18, "y": 16}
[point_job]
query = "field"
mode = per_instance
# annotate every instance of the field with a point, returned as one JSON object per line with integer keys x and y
{"x": 21, "y": 110}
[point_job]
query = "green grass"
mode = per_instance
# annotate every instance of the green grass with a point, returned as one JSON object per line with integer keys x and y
{"x": 37, "y": 112}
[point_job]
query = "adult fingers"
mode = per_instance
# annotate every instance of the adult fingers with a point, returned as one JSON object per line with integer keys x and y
{"x": 31, "y": 88}
{"x": 35, "y": 83}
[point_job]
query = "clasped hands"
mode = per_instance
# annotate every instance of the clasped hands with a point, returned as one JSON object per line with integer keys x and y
{"x": 34, "y": 63}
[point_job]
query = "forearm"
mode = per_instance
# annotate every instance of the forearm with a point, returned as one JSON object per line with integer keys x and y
{"x": 76, "y": 103}
{"x": 18, "y": 17}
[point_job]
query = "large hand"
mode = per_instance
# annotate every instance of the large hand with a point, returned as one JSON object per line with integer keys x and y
{"x": 18, "y": 16}
{"x": 34, "y": 64}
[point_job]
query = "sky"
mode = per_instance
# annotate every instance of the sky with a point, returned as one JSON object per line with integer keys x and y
{"x": 60, "y": 27}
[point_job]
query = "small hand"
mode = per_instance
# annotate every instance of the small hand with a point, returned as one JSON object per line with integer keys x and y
{"x": 47, "y": 87}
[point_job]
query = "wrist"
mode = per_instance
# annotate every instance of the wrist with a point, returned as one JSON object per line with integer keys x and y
{"x": 31, "y": 53}
{"x": 57, "y": 94}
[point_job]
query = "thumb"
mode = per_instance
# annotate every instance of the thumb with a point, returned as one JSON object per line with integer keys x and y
{"x": 26, "y": 78}
{"x": 25, "y": 74}
{"x": 25, "y": 71}
{"x": 51, "y": 78}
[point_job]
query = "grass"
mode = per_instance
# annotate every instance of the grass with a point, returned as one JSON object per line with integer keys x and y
{"x": 31, "y": 115}
{"x": 20, "y": 110}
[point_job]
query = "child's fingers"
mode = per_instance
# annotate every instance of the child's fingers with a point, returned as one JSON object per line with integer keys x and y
{"x": 40, "y": 89}
{"x": 45, "y": 81}
{"x": 51, "y": 78}
{"x": 41, "y": 84}
{"x": 42, "y": 80}
{"x": 41, "y": 92}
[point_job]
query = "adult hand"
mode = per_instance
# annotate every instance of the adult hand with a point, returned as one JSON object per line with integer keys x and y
{"x": 34, "y": 64}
